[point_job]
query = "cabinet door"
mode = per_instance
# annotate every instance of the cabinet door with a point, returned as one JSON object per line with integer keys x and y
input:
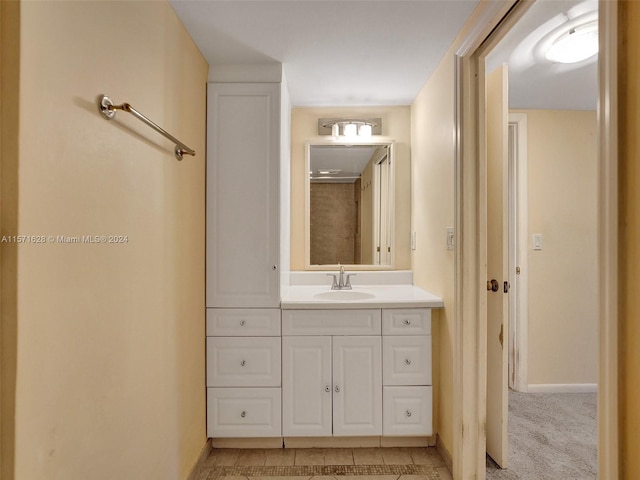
{"x": 243, "y": 150}
{"x": 357, "y": 386}
{"x": 306, "y": 386}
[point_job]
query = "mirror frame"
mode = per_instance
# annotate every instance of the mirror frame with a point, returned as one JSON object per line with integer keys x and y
{"x": 323, "y": 141}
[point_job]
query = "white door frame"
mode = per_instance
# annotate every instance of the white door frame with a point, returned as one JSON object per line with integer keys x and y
{"x": 518, "y": 255}
{"x": 489, "y": 24}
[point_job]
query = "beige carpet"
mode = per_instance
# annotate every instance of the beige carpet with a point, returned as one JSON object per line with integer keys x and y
{"x": 551, "y": 436}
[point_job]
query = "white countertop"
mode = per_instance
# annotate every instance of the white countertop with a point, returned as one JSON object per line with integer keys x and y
{"x": 377, "y": 296}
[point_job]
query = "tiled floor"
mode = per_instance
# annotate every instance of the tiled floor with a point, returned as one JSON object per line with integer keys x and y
{"x": 324, "y": 464}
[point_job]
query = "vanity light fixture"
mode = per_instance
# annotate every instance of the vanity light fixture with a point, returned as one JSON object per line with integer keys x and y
{"x": 350, "y": 128}
{"x": 575, "y": 44}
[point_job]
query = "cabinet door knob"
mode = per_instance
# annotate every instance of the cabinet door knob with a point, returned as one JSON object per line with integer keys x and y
{"x": 243, "y": 414}
{"x": 337, "y": 389}
{"x": 327, "y": 389}
{"x": 407, "y": 322}
{"x": 407, "y": 361}
{"x": 274, "y": 267}
{"x": 243, "y": 363}
{"x": 408, "y": 413}
{"x": 242, "y": 323}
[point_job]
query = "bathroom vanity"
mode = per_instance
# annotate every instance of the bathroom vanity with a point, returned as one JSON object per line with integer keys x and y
{"x": 329, "y": 363}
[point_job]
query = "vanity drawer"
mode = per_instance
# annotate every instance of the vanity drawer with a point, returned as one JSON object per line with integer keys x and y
{"x": 406, "y": 360}
{"x": 407, "y": 411}
{"x": 406, "y": 321}
{"x": 243, "y": 361}
{"x": 243, "y": 412}
{"x": 243, "y": 322}
{"x": 331, "y": 322}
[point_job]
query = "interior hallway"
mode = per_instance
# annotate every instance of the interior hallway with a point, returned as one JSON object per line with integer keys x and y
{"x": 326, "y": 464}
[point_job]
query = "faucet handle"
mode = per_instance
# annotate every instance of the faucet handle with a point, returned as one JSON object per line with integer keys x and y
{"x": 347, "y": 284}
{"x": 334, "y": 284}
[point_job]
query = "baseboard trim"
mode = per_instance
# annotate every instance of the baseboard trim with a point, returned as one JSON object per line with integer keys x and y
{"x": 267, "y": 442}
{"x": 201, "y": 459}
{"x": 444, "y": 453}
{"x": 563, "y": 388}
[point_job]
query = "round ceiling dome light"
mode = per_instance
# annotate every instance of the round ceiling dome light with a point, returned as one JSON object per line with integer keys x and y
{"x": 575, "y": 45}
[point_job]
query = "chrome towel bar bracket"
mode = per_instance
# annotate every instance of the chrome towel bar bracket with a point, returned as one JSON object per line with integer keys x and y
{"x": 108, "y": 111}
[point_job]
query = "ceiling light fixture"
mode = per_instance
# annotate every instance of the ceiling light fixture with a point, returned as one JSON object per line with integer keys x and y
{"x": 574, "y": 45}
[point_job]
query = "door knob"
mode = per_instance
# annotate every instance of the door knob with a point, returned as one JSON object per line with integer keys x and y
{"x": 493, "y": 285}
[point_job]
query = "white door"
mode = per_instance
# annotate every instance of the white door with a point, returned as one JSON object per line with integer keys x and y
{"x": 497, "y": 265}
{"x": 357, "y": 386}
{"x": 306, "y": 386}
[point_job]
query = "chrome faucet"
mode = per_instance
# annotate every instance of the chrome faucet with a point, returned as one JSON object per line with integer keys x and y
{"x": 341, "y": 283}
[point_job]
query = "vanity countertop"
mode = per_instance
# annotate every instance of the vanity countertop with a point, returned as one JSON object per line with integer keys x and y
{"x": 361, "y": 296}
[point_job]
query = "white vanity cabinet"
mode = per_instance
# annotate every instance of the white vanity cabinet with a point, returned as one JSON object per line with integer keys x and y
{"x": 407, "y": 372}
{"x": 243, "y": 373}
{"x": 247, "y": 218}
{"x": 332, "y": 380}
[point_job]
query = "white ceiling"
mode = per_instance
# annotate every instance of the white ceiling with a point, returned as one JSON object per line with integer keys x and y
{"x": 335, "y": 53}
{"x": 380, "y": 52}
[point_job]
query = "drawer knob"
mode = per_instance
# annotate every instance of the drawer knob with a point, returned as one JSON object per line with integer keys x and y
{"x": 407, "y": 361}
{"x": 408, "y": 413}
{"x": 242, "y": 323}
{"x": 327, "y": 389}
{"x": 243, "y": 363}
{"x": 243, "y": 414}
{"x": 407, "y": 322}
{"x": 337, "y": 389}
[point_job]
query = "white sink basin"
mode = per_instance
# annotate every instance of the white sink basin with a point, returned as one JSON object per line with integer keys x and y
{"x": 344, "y": 295}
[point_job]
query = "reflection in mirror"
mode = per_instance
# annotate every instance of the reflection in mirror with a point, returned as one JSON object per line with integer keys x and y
{"x": 350, "y": 192}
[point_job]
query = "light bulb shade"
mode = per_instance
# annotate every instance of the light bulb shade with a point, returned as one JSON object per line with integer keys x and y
{"x": 335, "y": 130}
{"x": 364, "y": 130}
{"x": 576, "y": 45}
{"x": 350, "y": 130}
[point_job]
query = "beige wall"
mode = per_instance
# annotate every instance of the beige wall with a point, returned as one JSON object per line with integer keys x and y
{"x": 562, "y": 277}
{"x": 110, "y": 351}
{"x": 432, "y": 176}
{"x": 629, "y": 401}
{"x": 395, "y": 124}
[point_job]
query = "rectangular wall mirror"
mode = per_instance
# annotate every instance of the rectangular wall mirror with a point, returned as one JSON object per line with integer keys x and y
{"x": 349, "y": 200}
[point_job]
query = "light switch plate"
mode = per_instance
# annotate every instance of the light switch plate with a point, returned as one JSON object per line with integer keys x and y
{"x": 537, "y": 241}
{"x": 451, "y": 241}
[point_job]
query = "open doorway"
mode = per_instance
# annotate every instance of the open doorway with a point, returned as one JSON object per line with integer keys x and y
{"x": 543, "y": 228}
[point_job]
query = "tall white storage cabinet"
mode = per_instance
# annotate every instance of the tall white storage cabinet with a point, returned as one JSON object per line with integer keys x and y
{"x": 247, "y": 256}
{"x": 243, "y": 194}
